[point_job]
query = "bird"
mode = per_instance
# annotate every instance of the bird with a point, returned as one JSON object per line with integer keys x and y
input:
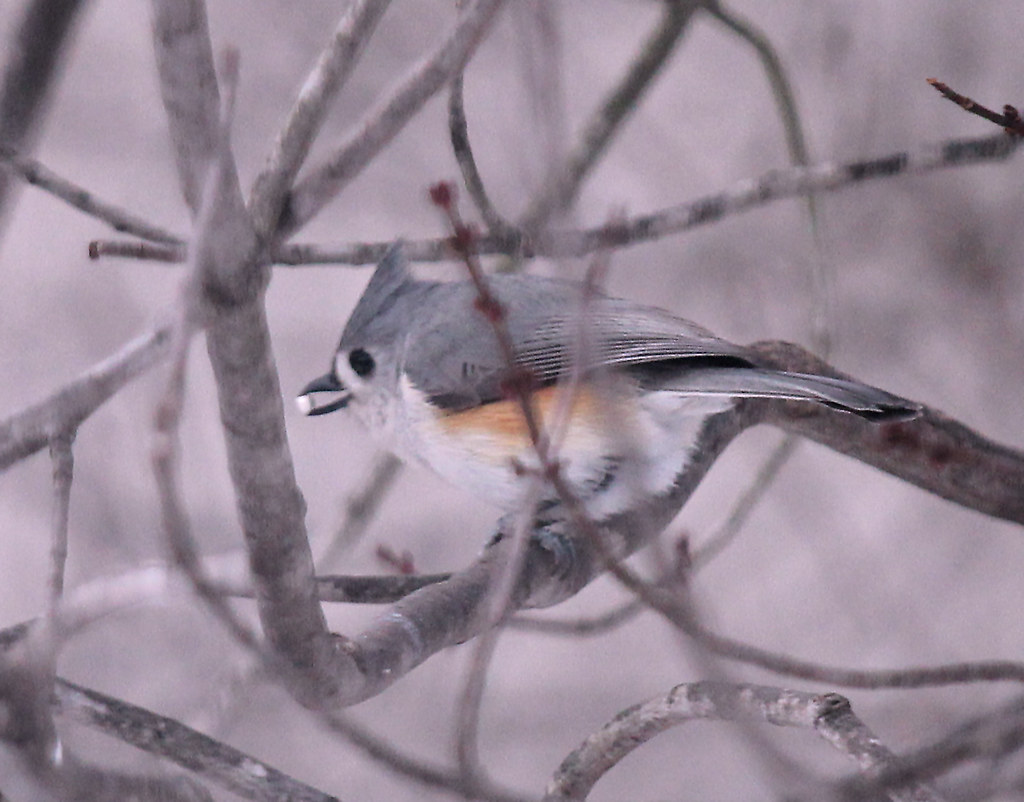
{"x": 628, "y": 387}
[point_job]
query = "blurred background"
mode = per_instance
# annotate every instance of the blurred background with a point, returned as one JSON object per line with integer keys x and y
{"x": 840, "y": 564}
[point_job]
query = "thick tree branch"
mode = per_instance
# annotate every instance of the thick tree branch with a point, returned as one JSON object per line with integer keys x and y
{"x": 234, "y": 279}
{"x": 934, "y": 452}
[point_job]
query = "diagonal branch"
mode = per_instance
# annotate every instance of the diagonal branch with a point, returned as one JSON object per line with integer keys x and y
{"x": 934, "y": 451}
{"x": 26, "y": 432}
{"x": 383, "y": 123}
{"x": 561, "y": 190}
{"x": 32, "y": 172}
{"x": 212, "y": 760}
{"x": 293, "y": 141}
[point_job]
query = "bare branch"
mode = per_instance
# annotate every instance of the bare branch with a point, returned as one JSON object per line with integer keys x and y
{"x": 744, "y": 196}
{"x": 560, "y": 191}
{"x": 373, "y": 589}
{"x": 63, "y": 461}
{"x": 270, "y": 504}
{"x": 821, "y": 268}
{"x": 27, "y": 431}
{"x": 332, "y": 69}
{"x": 188, "y": 86}
{"x": 383, "y": 123}
{"x": 165, "y": 737}
{"x": 830, "y": 715}
{"x": 208, "y": 242}
{"x": 32, "y": 172}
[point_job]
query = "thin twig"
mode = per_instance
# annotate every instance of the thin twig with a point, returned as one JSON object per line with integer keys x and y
{"x": 500, "y": 602}
{"x": 580, "y": 627}
{"x": 1010, "y": 119}
{"x": 372, "y": 589}
{"x": 32, "y": 172}
{"x": 420, "y": 771}
{"x": 744, "y": 196}
{"x": 459, "y": 135}
{"x": 291, "y": 147}
{"x": 140, "y": 251}
{"x": 385, "y": 120}
{"x": 989, "y": 737}
{"x": 63, "y": 460}
{"x": 559, "y": 192}
{"x": 822, "y": 269}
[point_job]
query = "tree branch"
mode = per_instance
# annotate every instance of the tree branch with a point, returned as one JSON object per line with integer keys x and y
{"x": 165, "y": 737}
{"x": 744, "y": 196}
{"x": 25, "y": 432}
{"x": 33, "y": 172}
{"x": 383, "y": 123}
{"x": 292, "y": 145}
{"x": 934, "y": 452}
{"x": 34, "y": 764}
{"x": 62, "y": 459}
{"x": 829, "y": 714}
{"x": 561, "y": 190}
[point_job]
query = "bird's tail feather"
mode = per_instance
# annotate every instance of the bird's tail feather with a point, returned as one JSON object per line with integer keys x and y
{"x": 740, "y": 382}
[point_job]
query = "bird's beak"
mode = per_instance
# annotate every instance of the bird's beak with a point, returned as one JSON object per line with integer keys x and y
{"x": 328, "y": 383}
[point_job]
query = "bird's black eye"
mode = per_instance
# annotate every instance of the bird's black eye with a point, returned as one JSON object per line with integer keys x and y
{"x": 361, "y": 361}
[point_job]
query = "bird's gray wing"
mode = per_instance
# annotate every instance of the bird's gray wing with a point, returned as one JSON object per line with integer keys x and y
{"x": 610, "y": 333}
{"x": 453, "y": 355}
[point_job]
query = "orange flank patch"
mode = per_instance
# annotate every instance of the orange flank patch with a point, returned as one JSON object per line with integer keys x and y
{"x": 503, "y": 420}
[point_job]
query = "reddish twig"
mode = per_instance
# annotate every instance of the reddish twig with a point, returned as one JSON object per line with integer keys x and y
{"x": 1010, "y": 119}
